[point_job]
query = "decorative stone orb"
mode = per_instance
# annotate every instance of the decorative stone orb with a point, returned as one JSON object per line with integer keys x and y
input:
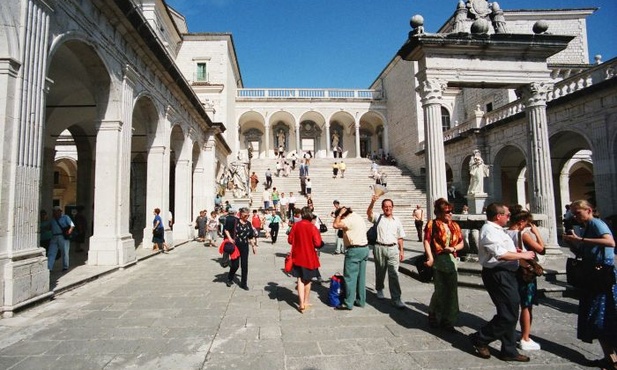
{"x": 540, "y": 27}
{"x": 480, "y": 26}
{"x": 416, "y": 21}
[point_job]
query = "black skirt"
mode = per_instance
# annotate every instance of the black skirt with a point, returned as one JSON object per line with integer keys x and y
{"x": 304, "y": 273}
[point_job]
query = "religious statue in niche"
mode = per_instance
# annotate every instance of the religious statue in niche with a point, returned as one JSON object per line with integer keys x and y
{"x": 477, "y": 172}
{"x": 335, "y": 139}
{"x": 280, "y": 137}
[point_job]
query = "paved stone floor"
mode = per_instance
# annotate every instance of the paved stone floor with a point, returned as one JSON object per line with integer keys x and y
{"x": 174, "y": 311}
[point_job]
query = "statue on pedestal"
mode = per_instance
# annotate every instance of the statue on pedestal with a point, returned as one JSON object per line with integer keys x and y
{"x": 477, "y": 171}
{"x": 335, "y": 139}
{"x": 281, "y": 138}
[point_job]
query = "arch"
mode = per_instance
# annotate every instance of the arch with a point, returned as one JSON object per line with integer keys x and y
{"x": 506, "y": 168}
{"x": 9, "y": 34}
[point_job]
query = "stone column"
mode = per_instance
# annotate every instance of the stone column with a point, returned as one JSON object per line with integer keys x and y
{"x": 209, "y": 159}
{"x": 328, "y": 141}
{"x": 199, "y": 189}
{"x": 267, "y": 141}
{"x": 182, "y": 211}
{"x": 157, "y": 188}
{"x": 298, "y": 145}
{"x": 521, "y": 197}
{"x": 357, "y": 128}
{"x": 386, "y": 140}
{"x": 108, "y": 242}
{"x": 431, "y": 95}
{"x": 539, "y": 161}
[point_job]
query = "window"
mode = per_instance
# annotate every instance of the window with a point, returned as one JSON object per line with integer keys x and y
{"x": 489, "y": 107}
{"x": 445, "y": 119}
{"x": 56, "y": 178}
{"x": 201, "y": 72}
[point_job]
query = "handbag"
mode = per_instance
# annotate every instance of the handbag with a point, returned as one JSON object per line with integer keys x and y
{"x": 528, "y": 269}
{"x": 574, "y": 272}
{"x": 322, "y": 227}
{"x": 599, "y": 277}
{"x": 371, "y": 234}
{"x": 289, "y": 264}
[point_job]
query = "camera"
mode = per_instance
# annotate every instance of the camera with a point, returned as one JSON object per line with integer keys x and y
{"x": 569, "y": 232}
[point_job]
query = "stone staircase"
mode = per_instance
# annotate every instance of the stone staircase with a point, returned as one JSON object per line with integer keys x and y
{"x": 353, "y": 191}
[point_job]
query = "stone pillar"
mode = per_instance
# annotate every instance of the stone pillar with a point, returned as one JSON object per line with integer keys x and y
{"x": 357, "y": 128}
{"x": 267, "y": 141}
{"x": 23, "y": 271}
{"x": 298, "y": 144}
{"x": 521, "y": 196}
{"x": 431, "y": 95}
{"x": 182, "y": 217}
{"x": 539, "y": 161}
{"x": 199, "y": 188}
{"x": 386, "y": 140}
{"x": 157, "y": 188}
{"x": 109, "y": 241}
{"x": 209, "y": 159}
{"x": 328, "y": 141}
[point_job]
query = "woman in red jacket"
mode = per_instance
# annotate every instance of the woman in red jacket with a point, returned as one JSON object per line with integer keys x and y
{"x": 304, "y": 238}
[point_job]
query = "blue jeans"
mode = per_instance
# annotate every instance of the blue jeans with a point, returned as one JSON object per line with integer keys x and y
{"x": 58, "y": 243}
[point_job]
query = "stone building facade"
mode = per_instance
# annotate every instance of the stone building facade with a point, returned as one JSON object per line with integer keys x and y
{"x": 115, "y": 106}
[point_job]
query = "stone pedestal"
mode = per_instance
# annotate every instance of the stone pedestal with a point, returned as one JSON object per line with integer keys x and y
{"x": 476, "y": 203}
{"x": 241, "y": 202}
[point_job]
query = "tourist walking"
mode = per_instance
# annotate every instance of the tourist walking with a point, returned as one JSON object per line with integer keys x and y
{"x": 442, "y": 241}
{"x": 356, "y": 255}
{"x": 268, "y": 175}
{"x": 240, "y": 232}
{"x": 388, "y": 249}
{"x": 61, "y": 229}
{"x": 267, "y": 198}
{"x": 254, "y": 181}
{"x": 283, "y": 202}
{"x": 597, "y": 311}
{"x": 418, "y": 219}
{"x": 212, "y": 228}
{"x": 275, "y": 223}
{"x": 275, "y": 199}
{"x": 200, "y": 225}
{"x": 334, "y": 170}
{"x": 158, "y": 232}
{"x": 499, "y": 259}
{"x": 304, "y": 239}
{"x": 526, "y": 237}
{"x": 291, "y": 205}
{"x": 342, "y": 167}
{"x": 338, "y": 248}
{"x": 308, "y": 187}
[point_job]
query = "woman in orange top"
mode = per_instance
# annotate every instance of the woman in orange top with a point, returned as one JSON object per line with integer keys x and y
{"x": 442, "y": 239}
{"x": 304, "y": 238}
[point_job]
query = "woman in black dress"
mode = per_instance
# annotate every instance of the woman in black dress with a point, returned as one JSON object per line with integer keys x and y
{"x": 240, "y": 232}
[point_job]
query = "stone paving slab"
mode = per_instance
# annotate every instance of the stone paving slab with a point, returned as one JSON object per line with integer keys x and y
{"x": 173, "y": 311}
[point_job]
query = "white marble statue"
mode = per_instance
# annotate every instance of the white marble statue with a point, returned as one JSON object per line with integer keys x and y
{"x": 335, "y": 139}
{"x": 281, "y": 138}
{"x": 477, "y": 171}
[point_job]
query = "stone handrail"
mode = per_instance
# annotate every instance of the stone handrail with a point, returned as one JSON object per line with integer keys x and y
{"x": 309, "y": 94}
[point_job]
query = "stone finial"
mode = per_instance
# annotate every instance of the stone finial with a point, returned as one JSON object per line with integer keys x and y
{"x": 598, "y": 58}
{"x": 540, "y": 26}
{"x": 417, "y": 23}
{"x": 498, "y": 18}
{"x": 480, "y": 26}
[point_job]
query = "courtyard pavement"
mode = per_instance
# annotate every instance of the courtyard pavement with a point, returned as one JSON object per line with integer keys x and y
{"x": 174, "y": 311}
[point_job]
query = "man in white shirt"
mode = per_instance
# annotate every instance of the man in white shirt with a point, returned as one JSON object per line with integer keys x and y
{"x": 267, "y": 197}
{"x": 388, "y": 249}
{"x": 283, "y": 202}
{"x": 499, "y": 259}
{"x": 291, "y": 203}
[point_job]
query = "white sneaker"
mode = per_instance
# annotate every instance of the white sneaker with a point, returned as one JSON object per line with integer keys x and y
{"x": 380, "y": 294}
{"x": 528, "y": 345}
{"x": 398, "y": 303}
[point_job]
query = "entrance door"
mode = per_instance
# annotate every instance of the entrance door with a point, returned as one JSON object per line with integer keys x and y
{"x": 308, "y": 145}
{"x": 365, "y": 147}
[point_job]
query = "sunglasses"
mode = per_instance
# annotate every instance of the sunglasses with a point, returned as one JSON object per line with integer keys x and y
{"x": 449, "y": 211}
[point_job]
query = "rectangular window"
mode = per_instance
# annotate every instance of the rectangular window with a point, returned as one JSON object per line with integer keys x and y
{"x": 56, "y": 177}
{"x": 201, "y": 72}
{"x": 489, "y": 107}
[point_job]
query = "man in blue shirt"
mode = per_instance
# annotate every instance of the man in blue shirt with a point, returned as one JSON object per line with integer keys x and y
{"x": 61, "y": 229}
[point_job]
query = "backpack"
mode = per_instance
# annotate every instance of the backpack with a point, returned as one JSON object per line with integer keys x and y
{"x": 371, "y": 234}
{"x": 336, "y": 293}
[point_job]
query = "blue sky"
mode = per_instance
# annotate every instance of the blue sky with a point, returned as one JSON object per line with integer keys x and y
{"x": 346, "y": 43}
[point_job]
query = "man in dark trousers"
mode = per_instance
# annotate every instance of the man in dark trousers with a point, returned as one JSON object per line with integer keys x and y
{"x": 499, "y": 259}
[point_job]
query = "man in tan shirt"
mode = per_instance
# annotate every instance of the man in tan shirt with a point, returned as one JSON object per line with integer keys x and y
{"x": 356, "y": 255}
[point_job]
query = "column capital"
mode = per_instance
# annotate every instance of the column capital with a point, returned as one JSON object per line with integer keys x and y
{"x": 535, "y": 94}
{"x": 431, "y": 90}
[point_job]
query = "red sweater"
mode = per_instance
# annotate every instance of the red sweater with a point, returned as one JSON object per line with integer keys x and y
{"x": 304, "y": 238}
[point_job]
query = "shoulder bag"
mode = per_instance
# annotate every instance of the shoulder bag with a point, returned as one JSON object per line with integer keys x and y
{"x": 371, "y": 234}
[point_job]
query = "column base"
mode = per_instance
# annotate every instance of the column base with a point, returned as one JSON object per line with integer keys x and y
{"x": 114, "y": 251}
